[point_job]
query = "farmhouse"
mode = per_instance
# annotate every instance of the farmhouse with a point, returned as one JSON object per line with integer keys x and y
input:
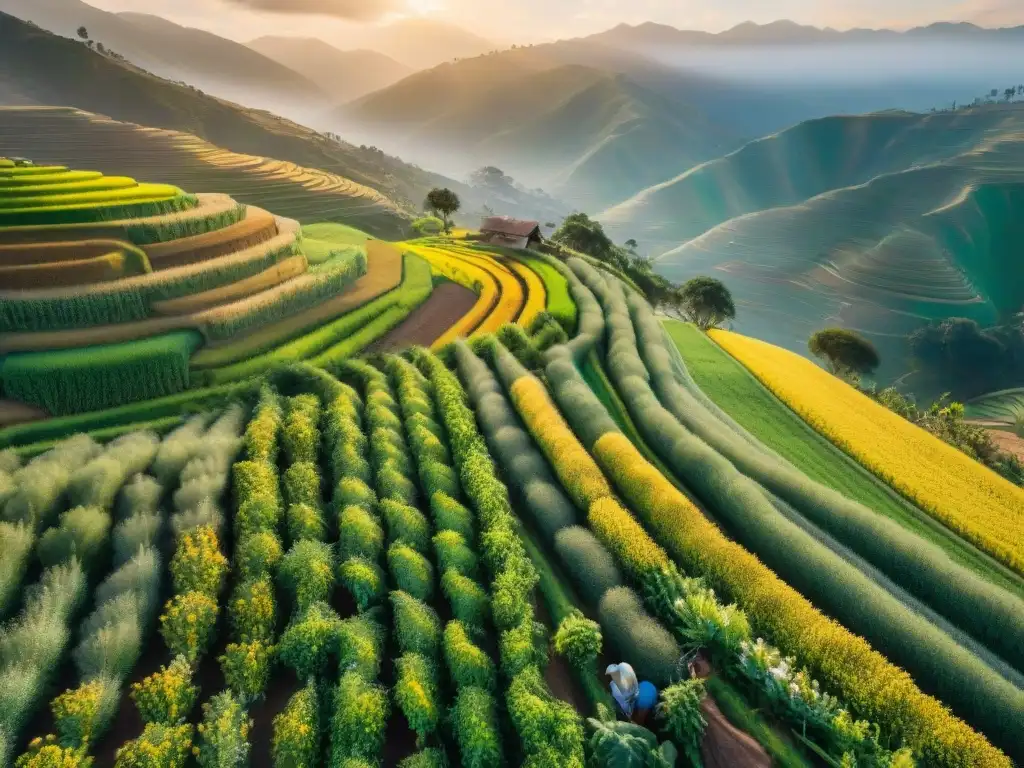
{"x": 509, "y": 232}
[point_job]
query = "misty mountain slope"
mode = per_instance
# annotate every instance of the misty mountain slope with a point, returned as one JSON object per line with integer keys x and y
{"x": 936, "y": 232}
{"x": 589, "y": 135}
{"x": 343, "y": 75}
{"x": 421, "y": 43}
{"x": 211, "y": 63}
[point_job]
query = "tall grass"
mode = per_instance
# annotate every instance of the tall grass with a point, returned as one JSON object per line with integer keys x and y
{"x": 40, "y": 484}
{"x": 87, "y": 212}
{"x": 147, "y": 234}
{"x": 92, "y": 378}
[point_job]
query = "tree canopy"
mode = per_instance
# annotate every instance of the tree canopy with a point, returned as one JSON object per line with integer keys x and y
{"x": 703, "y": 301}
{"x": 846, "y": 352}
{"x": 443, "y": 202}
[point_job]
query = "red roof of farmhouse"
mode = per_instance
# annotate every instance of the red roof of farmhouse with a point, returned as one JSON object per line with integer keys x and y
{"x": 504, "y": 225}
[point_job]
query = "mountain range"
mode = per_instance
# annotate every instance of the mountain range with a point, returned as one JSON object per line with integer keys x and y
{"x": 342, "y": 75}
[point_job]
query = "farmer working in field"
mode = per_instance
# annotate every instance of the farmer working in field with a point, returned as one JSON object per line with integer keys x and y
{"x": 635, "y": 699}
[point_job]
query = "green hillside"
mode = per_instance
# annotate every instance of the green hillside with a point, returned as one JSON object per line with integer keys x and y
{"x": 879, "y": 223}
{"x": 587, "y": 134}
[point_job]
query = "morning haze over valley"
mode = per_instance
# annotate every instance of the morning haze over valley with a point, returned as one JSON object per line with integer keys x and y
{"x": 548, "y": 384}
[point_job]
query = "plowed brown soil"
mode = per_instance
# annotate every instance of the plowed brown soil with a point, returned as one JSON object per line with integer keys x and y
{"x": 258, "y": 226}
{"x": 17, "y": 412}
{"x": 426, "y": 323}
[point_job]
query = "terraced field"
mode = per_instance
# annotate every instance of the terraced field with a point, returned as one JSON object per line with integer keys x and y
{"x": 82, "y": 139}
{"x": 1004, "y": 407}
{"x": 274, "y": 528}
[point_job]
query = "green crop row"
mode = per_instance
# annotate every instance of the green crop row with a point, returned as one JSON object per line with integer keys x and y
{"x": 544, "y": 724}
{"x": 67, "y": 187}
{"x": 129, "y": 193}
{"x": 147, "y": 234}
{"x": 886, "y": 694}
{"x": 88, "y": 213}
{"x": 126, "y": 301}
{"x": 93, "y": 378}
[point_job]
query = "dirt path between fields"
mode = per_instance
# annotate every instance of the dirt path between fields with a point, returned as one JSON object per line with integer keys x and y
{"x": 425, "y": 324}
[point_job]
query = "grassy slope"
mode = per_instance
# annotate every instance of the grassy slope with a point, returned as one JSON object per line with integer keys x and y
{"x": 735, "y": 390}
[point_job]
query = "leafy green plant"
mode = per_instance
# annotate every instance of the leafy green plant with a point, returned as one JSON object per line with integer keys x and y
{"x": 223, "y": 740}
{"x": 475, "y": 722}
{"x": 467, "y": 664}
{"x": 467, "y": 598}
{"x": 296, "y": 740}
{"x": 613, "y": 744}
{"x": 310, "y": 640}
{"x": 361, "y": 645}
{"x": 578, "y": 639}
{"x": 411, "y": 571}
{"x": 307, "y": 572}
{"x": 417, "y": 626}
{"x": 359, "y": 534}
{"x": 360, "y": 718}
{"x": 450, "y": 515}
{"x": 680, "y": 715}
{"x": 365, "y": 581}
{"x": 454, "y": 554}
{"x": 407, "y": 525}
{"x": 159, "y": 746}
{"x": 257, "y": 555}
{"x": 416, "y": 694}
{"x": 246, "y": 668}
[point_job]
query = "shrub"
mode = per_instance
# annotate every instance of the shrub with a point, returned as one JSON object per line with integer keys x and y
{"x": 246, "y": 668}
{"x": 301, "y": 437}
{"x": 549, "y": 508}
{"x": 296, "y": 741}
{"x": 261, "y": 432}
{"x": 411, "y": 571}
{"x": 361, "y": 646}
{"x": 257, "y": 555}
{"x": 518, "y": 647}
{"x": 302, "y": 484}
{"x": 347, "y": 460}
{"x": 44, "y": 753}
{"x": 467, "y": 664}
{"x": 256, "y": 481}
{"x": 364, "y": 580}
{"x": 305, "y": 522}
{"x": 450, "y": 515}
{"x": 416, "y": 694}
{"x": 307, "y": 572}
{"x": 309, "y": 641}
{"x": 395, "y": 485}
{"x": 680, "y": 715}
{"x": 166, "y": 696}
{"x": 438, "y": 478}
{"x": 578, "y": 639}
{"x": 198, "y": 565}
{"x": 256, "y": 516}
{"x": 352, "y": 492}
{"x": 83, "y": 713}
{"x": 652, "y": 651}
{"x": 475, "y": 722}
{"x": 511, "y": 590}
{"x": 453, "y": 554}
{"x": 112, "y": 649}
{"x": 407, "y": 525}
{"x": 253, "y": 611}
{"x": 546, "y": 726}
{"x": 417, "y": 625}
{"x": 142, "y": 530}
{"x": 427, "y": 758}
{"x": 159, "y": 746}
{"x": 468, "y": 599}
{"x": 591, "y": 566}
{"x": 81, "y": 533}
{"x": 223, "y": 734}
{"x": 188, "y": 624}
{"x": 359, "y": 534}
{"x": 16, "y": 543}
{"x": 360, "y": 719}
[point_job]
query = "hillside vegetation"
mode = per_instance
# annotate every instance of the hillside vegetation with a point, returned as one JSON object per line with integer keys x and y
{"x": 878, "y": 222}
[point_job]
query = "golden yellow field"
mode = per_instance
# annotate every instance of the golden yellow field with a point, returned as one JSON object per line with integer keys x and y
{"x": 963, "y": 494}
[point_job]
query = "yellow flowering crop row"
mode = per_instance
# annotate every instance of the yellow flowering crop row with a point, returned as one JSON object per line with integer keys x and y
{"x": 466, "y": 275}
{"x": 536, "y": 294}
{"x": 863, "y": 678}
{"x": 964, "y": 495}
{"x": 579, "y": 473}
{"x": 510, "y": 300}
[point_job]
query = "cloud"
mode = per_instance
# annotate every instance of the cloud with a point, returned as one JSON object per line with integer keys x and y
{"x": 355, "y": 10}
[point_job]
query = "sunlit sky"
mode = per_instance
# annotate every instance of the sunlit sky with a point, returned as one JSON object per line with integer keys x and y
{"x": 527, "y": 21}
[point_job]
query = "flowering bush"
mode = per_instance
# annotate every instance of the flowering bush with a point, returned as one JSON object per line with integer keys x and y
{"x": 578, "y": 639}
{"x": 246, "y": 668}
{"x": 166, "y": 696}
{"x": 198, "y": 565}
{"x": 467, "y": 664}
{"x": 253, "y": 612}
{"x": 297, "y": 731}
{"x": 310, "y": 640}
{"x": 83, "y": 712}
{"x": 223, "y": 734}
{"x": 159, "y": 746}
{"x": 365, "y": 580}
{"x": 360, "y": 718}
{"x": 307, "y": 572}
{"x": 257, "y": 555}
{"x": 46, "y": 753}
{"x": 416, "y": 694}
{"x": 188, "y": 624}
